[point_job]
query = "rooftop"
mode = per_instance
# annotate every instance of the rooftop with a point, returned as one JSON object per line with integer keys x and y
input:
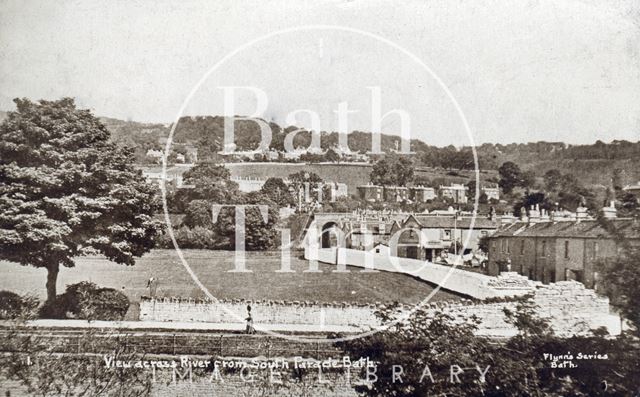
{"x": 589, "y": 228}
{"x": 632, "y": 187}
{"x": 449, "y": 222}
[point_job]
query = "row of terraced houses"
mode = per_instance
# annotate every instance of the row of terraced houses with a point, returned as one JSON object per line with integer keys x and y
{"x": 546, "y": 246}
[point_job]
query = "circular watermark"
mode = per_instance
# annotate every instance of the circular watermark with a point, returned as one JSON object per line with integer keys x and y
{"x": 405, "y": 314}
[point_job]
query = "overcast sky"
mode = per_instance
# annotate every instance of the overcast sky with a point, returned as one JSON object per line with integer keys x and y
{"x": 561, "y": 70}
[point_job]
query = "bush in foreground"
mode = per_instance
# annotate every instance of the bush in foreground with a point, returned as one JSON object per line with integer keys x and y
{"x": 14, "y": 306}
{"x": 85, "y": 300}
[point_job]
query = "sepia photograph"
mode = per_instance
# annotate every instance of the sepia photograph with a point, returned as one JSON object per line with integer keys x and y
{"x": 320, "y": 198}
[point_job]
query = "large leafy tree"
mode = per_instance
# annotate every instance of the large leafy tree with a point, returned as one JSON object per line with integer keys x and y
{"x": 510, "y": 176}
{"x": 211, "y": 186}
{"x": 552, "y": 180}
{"x": 210, "y": 182}
{"x": 66, "y": 190}
{"x": 392, "y": 171}
{"x": 302, "y": 180}
{"x": 530, "y": 199}
{"x": 278, "y": 191}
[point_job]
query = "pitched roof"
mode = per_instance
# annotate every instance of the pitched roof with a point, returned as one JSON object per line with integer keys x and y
{"x": 632, "y": 188}
{"x": 449, "y": 222}
{"x": 589, "y": 228}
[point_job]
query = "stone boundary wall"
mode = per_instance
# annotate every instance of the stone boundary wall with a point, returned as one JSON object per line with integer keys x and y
{"x": 570, "y": 307}
{"x": 263, "y": 312}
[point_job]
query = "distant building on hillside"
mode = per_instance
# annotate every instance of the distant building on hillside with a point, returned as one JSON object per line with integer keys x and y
{"x": 173, "y": 177}
{"x": 155, "y": 154}
{"x": 295, "y": 154}
{"x": 492, "y": 192}
{"x": 248, "y": 184}
{"x": 338, "y": 189}
{"x": 456, "y": 192}
{"x": 633, "y": 189}
{"x": 396, "y": 194}
{"x": 422, "y": 194}
{"x": 372, "y": 193}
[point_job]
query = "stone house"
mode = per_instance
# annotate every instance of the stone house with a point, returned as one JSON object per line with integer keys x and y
{"x": 633, "y": 189}
{"x": 422, "y": 194}
{"x": 427, "y": 236}
{"x": 558, "y": 250}
{"x": 172, "y": 177}
{"x": 396, "y": 194}
{"x": 492, "y": 192}
{"x": 373, "y": 193}
{"x": 365, "y": 234}
{"x": 455, "y": 192}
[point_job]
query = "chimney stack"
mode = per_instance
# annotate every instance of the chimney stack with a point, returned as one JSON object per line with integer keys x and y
{"x": 523, "y": 214}
{"x": 610, "y": 212}
{"x": 581, "y": 213}
{"x": 508, "y": 218}
{"x": 544, "y": 216}
{"x": 534, "y": 214}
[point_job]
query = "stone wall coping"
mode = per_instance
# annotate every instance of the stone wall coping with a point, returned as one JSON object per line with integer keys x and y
{"x": 541, "y": 293}
{"x": 266, "y": 302}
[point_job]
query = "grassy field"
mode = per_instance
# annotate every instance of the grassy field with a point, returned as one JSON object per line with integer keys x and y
{"x": 212, "y": 268}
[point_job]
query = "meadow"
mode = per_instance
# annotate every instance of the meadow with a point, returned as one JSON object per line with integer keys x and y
{"x": 212, "y": 268}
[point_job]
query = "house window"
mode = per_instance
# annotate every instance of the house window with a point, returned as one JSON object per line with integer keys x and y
{"x": 544, "y": 248}
{"x": 570, "y": 274}
{"x": 595, "y": 249}
{"x": 447, "y": 234}
{"x": 566, "y": 249}
{"x": 522, "y": 247}
{"x": 508, "y": 248}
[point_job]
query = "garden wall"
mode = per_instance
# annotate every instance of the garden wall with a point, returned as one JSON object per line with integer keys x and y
{"x": 570, "y": 307}
{"x": 263, "y": 312}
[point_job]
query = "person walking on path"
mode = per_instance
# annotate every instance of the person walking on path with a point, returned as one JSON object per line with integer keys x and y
{"x": 152, "y": 284}
{"x": 249, "y": 329}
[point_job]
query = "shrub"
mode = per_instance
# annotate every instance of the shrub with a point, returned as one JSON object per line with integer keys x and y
{"x": 14, "y": 306}
{"x": 193, "y": 238}
{"x": 85, "y": 300}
